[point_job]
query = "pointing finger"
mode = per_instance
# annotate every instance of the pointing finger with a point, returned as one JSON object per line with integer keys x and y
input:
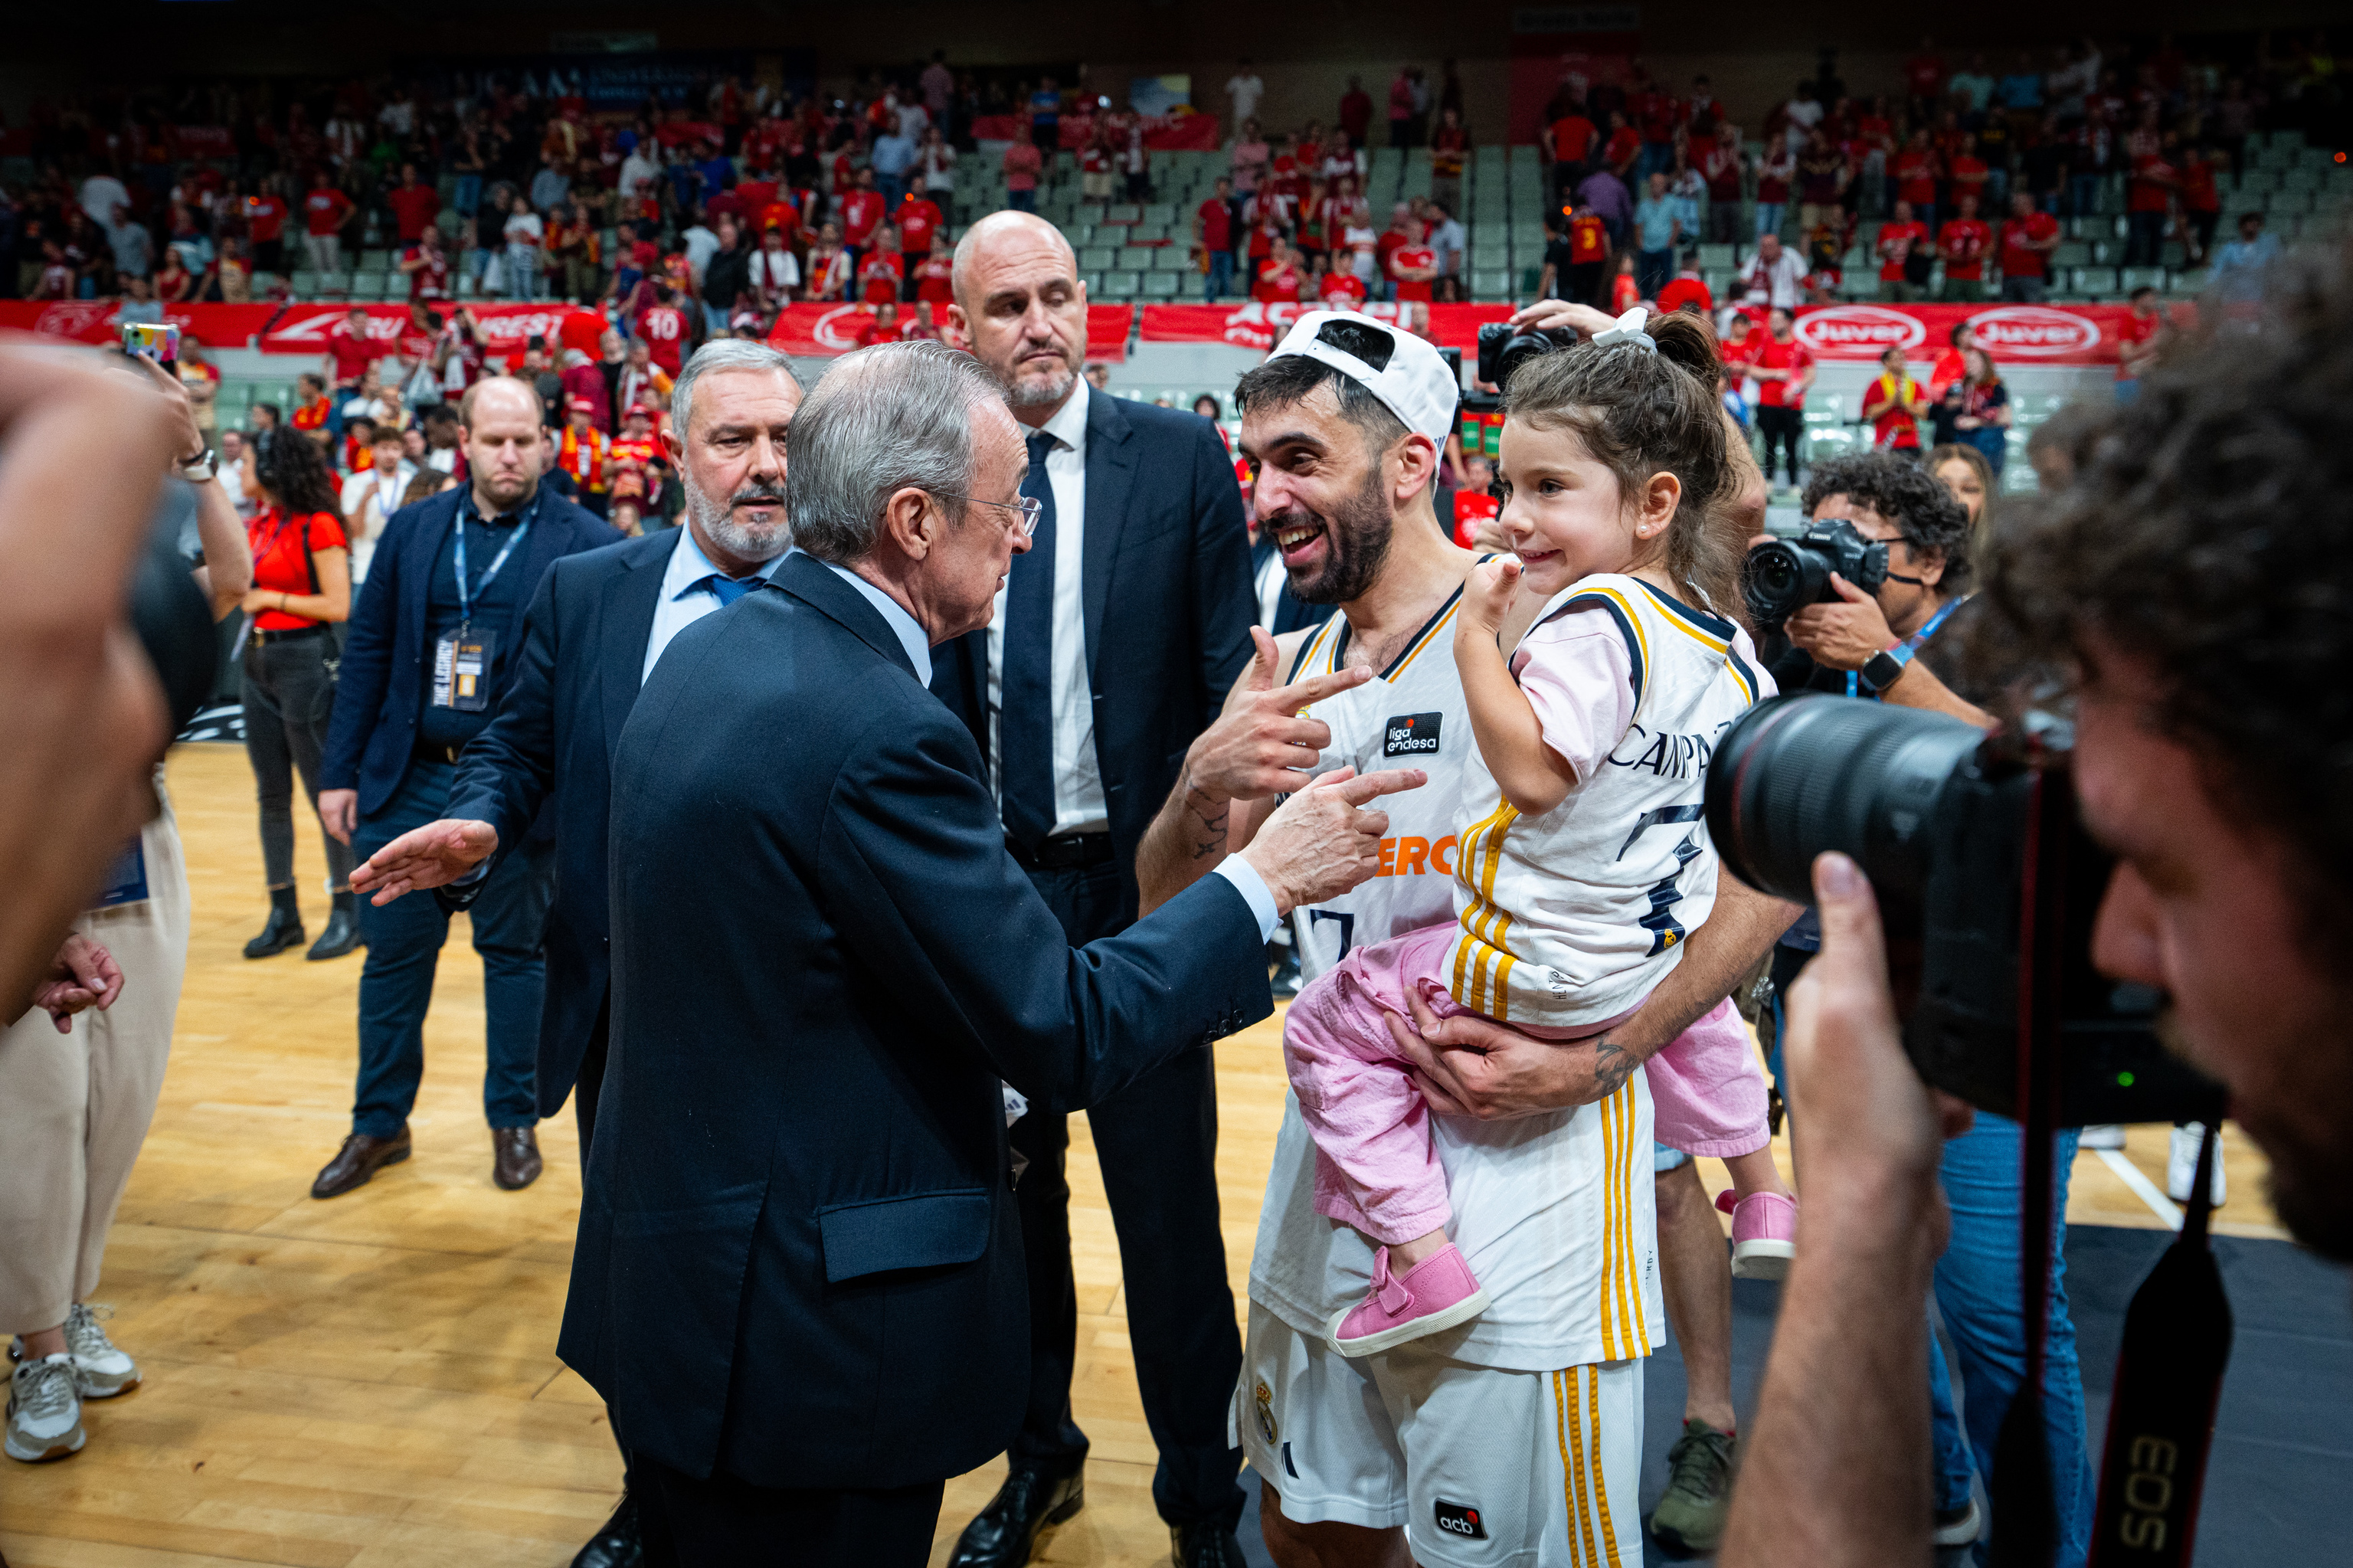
{"x": 1316, "y": 688}
{"x": 1385, "y": 781}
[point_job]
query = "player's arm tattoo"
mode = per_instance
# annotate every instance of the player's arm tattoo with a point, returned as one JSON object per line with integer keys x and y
{"x": 1212, "y": 812}
{"x": 1613, "y": 1065}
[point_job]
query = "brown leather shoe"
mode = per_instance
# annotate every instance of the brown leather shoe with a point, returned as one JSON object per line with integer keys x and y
{"x": 359, "y": 1159}
{"x": 514, "y": 1157}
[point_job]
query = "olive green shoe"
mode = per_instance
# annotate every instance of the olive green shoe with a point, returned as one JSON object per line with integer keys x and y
{"x": 1690, "y": 1515}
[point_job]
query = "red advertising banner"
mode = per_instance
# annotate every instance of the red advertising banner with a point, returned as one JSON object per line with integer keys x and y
{"x": 1187, "y": 132}
{"x": 304, "y": 329}
{"x": 93, "y": 321}
{"x": 826, "y": 330}
{"x": 1261, "y": 327}
{"x": 2012, "y": 334}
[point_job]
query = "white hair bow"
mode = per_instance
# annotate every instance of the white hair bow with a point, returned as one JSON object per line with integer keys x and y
{"x": 1628, "y": 330}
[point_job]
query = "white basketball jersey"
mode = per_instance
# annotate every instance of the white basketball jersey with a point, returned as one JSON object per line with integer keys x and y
{"x": 1569, "y": 919}
{"x": 1555, "y": 1213}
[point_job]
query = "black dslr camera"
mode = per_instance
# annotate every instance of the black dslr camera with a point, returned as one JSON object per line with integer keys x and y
{"x": 1504, "y": 348}
{"x": 1987, "y": 885}
{"x": 1784, "y": 575}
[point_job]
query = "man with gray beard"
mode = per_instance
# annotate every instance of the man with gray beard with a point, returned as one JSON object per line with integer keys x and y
{"x": 594, "y": 632}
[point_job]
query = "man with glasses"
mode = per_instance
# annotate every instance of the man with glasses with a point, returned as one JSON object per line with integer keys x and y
{"x": 1116, "y": 635}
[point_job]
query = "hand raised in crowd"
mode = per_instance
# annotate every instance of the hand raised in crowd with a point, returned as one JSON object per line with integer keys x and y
{"x": 82, "y": 976}
{"x": 1321, "y": 842}
{"x": 433, "y": 855}
{"x": 1842, "y": 636}
{"x": 1548, "y": 313}
{"x": 1262, "y": 746}
{"x": 82, "y": 453}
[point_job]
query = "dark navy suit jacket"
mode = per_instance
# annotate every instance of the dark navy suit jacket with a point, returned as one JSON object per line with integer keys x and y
{"x": 800, "y": 1262}
{"x": 1166, "y": 601}
{"x": 380, "y": 690}
{"x": 573, "y": 685}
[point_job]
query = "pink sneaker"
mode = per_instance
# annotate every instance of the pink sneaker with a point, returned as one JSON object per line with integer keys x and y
{"x": 1764, "y": 1232}
{"x": 1436, "y": 1293}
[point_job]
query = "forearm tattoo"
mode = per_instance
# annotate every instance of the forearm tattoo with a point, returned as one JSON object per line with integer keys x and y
{"x": 1613, "y": 1065}
{"x": 1210, "y": 813}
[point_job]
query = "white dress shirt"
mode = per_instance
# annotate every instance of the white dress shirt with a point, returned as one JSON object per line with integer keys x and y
{"x": 682, "y": 603}
{"x": 369, "y": 500}
{"x": 1077, "y": 781}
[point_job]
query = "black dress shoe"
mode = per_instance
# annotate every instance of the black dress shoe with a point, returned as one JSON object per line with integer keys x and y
{"x": 343, "y": 932}
{"x": 616, "y": 1543}
{"x": 357, "y": 1162}
{"x": 283, "y": 930}
{"x": 1003, "y": 1534}
{"x": 514, "y": 1157}
{"x": 1209, "y": 1545}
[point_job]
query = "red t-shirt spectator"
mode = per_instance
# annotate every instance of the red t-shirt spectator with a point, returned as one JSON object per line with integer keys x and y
{"x": 1968, "y": 176}
{"x": 1624, "y": 143}
{"x": 1572, "y": 138}
{"x": 1278, "y": 283}
{"x": 1386, "y": 247}
{"x": 325, "y": 209}
{"x": 1022, "y": 162}
{"x": 1343, "y": 289}
{"x": 2016, "y": 260}
{"x": 881, "y": 277}
{"x": 2152, "y": 181}
{"x": 1719, "y": 165}
{"x": 1673, "y": 296}
{"x": 1924, "y": 75}
{"x": 664, "y": 329}
{"x": 1469, "y": 508}
{"x": 862, "y": 214}
{"x": 755, "y": 195}
{"x": 934, "y": 279}
{"x": 1896, "y": 241}
{"x": 1217, "y": 225}
{"x": 414, "y": 208}
{"x": 2198, "y": 192}
{"x": 279, "y": 563}
{"x": 1963, "y": 243}
{"x": 1414, "y": 257}
{"x": 264, "y": 218}
{"x": 2131, "y": 333}
{"x": 352, "y": 356}
{"x": 918, "y": 221}
{"x": 1792, "y": 356}
{"x": 780, "y": 215}
{"x": 1588, "y": 239}
{"x": 1915, "y": 178}
{"x": 430, "y": 281}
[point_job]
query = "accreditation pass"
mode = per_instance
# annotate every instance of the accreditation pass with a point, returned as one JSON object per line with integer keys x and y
{"x": 461, "y": 668}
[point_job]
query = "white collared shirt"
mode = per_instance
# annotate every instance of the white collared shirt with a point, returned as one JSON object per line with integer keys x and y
{"x": 1078, "y": 805}
{"x": 682, "y": 603}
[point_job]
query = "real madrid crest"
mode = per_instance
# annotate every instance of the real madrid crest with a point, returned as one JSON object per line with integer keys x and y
{"x": 1266, "y": 1412}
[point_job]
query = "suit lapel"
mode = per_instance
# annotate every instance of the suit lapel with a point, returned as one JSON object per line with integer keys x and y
{"x": 424, "y": 550}
{"x": 627, "y": 623}
{"x": 1111, "y": 476}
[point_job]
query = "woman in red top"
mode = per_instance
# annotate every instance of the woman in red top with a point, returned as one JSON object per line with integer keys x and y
{"x": 302, "y": 589}
{"x": 173, "y": 282}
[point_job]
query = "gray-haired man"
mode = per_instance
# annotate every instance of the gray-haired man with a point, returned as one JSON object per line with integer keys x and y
{"x": 594, "y": 631}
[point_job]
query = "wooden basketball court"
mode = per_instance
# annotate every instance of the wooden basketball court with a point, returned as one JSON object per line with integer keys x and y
{"x": 372, "y": 1381}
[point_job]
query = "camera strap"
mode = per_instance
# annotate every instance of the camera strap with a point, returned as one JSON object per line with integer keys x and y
{"x": 1912, "y": 643}
{"x": 2169, "y": 1380}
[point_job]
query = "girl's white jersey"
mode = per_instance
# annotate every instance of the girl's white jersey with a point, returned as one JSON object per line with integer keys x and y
{"x": 1555, "y": 1213}
{"x": 1569, "y": 919}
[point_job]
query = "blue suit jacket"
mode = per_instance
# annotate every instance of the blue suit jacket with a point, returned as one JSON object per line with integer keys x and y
{"x": 799, "y": 1260}
{"x": 1165, "y": 595}
{"x": 559, "y": 722}
{"x": 380, "y": 690}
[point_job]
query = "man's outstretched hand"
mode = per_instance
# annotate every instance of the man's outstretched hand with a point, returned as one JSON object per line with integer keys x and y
{"x": 1321, "y": 842}
{"x": 433, "y": 855}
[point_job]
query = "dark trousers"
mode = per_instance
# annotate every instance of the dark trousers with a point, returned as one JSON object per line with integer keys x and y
{"x": 404, "y": 947}
{"x": 1781, "y": 426}
{"x": 1157, "y": 1143}
{"x": 288, "y": 697}
{"x": 726, "y": 1523}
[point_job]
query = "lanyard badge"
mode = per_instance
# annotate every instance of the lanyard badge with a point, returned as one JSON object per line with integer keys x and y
{"x": 462, "y": 659}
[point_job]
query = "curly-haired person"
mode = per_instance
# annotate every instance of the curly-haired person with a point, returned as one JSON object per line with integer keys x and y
{"x": 2196, "y": 580}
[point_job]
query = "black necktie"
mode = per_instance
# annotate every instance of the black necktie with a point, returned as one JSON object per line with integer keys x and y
{"x": 728, "y": 589}
{"x": 1025, "y": 726}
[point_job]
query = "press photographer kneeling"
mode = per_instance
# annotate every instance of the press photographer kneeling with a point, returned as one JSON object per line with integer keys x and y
{"x": 2194, "y": 582}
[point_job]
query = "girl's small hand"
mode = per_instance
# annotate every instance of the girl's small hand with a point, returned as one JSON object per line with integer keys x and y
{"x": 1488, "y": 593}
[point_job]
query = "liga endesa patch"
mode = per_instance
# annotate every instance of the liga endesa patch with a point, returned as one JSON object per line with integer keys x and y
{"x": 1460, "y": 1519}
{"x": 1410, "y": 735}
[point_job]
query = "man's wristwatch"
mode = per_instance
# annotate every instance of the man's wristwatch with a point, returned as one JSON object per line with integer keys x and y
{"x": 199, "y": 468}
{"x": 1882, "y": 668}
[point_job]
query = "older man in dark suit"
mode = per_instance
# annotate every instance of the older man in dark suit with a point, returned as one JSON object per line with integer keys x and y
{"x": 598, "y": 624}
{"x": 433, "y": 643}
{"x": 797, "y": 1280}
{"x": 1116, "y": 638}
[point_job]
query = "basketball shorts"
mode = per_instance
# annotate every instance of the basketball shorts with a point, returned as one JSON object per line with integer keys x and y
{"x": 1479, "y": 1466}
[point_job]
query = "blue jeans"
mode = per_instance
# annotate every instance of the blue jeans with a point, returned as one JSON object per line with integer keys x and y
{"x": 1769, "y": 218}
{"x": 2082, "y": 195}
{"x": 1653, "y": 270}
{"x": 1222, "y": 276}
{"x": 894, "y": 188}
{"x": 1022, "y": 201}
{"x": 467, "y": 195}
{"x": 1977, "y": 1290}
{"x": 403, "y": 945}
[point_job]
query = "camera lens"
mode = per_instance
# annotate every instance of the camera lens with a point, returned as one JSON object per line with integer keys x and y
{"x": 1796, "y": 775}
{"x": 1780, "y": 579}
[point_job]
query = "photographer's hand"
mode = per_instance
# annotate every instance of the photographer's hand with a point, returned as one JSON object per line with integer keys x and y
{"x": 1548, "y": 313}
{"x": 433, "y": 855}
{"x": 1837, "y": 1472}
{"x": 1842, "y": 636}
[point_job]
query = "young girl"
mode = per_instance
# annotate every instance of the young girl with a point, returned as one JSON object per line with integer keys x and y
{"x": 1583, "y": 861}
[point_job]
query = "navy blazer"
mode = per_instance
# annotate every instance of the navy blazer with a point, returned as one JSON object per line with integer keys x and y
{"x": 559, "y": 721}
{"x": 380, "y": 690}
{"x": 1168, "y": 604}
{"x": 798, "y": 1261}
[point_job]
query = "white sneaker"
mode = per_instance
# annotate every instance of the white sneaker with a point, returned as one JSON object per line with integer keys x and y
{"x": 2181, "y": 1164}
{"x": 2104, "y": 1135}
{"x": 100, "y": 1370}
{"x": 44, "y": 1411}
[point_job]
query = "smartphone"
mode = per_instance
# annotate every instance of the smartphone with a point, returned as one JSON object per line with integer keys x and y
{"x": 158, "y": 341}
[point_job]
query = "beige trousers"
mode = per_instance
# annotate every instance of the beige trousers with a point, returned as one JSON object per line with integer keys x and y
{"x": 74, "y": 1107}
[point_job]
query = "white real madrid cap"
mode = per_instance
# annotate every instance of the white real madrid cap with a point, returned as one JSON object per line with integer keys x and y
{"x": 1401, "y": 369}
